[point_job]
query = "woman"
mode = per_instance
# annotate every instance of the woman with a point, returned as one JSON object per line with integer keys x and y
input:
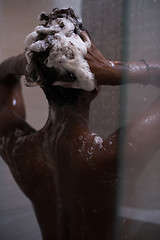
{"x": 69, "y": 173}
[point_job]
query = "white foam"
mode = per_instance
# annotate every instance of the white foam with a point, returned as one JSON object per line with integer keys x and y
{"x": 30, "y": 39}
{"x": 67, "y": 51}
{"x": 98, "y": 140}
{"x": 39, "y": 46}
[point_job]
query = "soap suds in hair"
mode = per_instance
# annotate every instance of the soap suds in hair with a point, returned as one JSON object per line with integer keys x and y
{"x": 59, "y": 35}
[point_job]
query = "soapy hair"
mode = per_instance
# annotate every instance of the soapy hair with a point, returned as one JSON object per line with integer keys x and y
{"x": 67, "y": 13}
{"x": 37, "y": 73}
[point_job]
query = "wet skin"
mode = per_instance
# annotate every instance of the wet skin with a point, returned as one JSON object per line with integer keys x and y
{"x": 69, "y": 173}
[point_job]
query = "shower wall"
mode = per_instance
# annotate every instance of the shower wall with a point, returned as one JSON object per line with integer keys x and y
{"x": 102, "y": 19}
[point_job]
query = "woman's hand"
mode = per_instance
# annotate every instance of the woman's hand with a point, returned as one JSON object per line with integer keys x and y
{"x": 104, "y": 70}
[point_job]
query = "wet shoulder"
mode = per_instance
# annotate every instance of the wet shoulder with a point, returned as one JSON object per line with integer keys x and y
{"x": 88, "y": 154}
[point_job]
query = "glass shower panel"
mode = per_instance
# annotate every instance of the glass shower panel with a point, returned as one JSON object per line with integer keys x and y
{"x": 139, "y": 196}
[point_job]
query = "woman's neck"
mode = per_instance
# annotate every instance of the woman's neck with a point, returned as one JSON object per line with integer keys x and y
{"x": 77, "y": 115}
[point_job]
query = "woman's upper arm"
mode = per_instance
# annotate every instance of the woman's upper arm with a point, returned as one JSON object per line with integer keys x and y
{"x": 11, "y": 106}
{"x": 11, "y": 100}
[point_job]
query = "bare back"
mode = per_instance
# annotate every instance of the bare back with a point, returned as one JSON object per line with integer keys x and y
{"x": 87, "y": 181}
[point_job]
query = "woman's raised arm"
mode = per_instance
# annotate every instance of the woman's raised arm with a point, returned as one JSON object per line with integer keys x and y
{"x": 116, "y": 73}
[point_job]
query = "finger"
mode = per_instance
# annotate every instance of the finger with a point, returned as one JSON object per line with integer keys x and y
{"x": 88, "y": 56}
{"x": 84, "y": 36}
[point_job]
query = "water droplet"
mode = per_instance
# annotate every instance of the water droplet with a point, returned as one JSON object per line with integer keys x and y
{"x": 14, "y": 102}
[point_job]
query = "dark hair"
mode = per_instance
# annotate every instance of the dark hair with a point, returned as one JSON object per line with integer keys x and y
{"x": 67, "y": 13}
